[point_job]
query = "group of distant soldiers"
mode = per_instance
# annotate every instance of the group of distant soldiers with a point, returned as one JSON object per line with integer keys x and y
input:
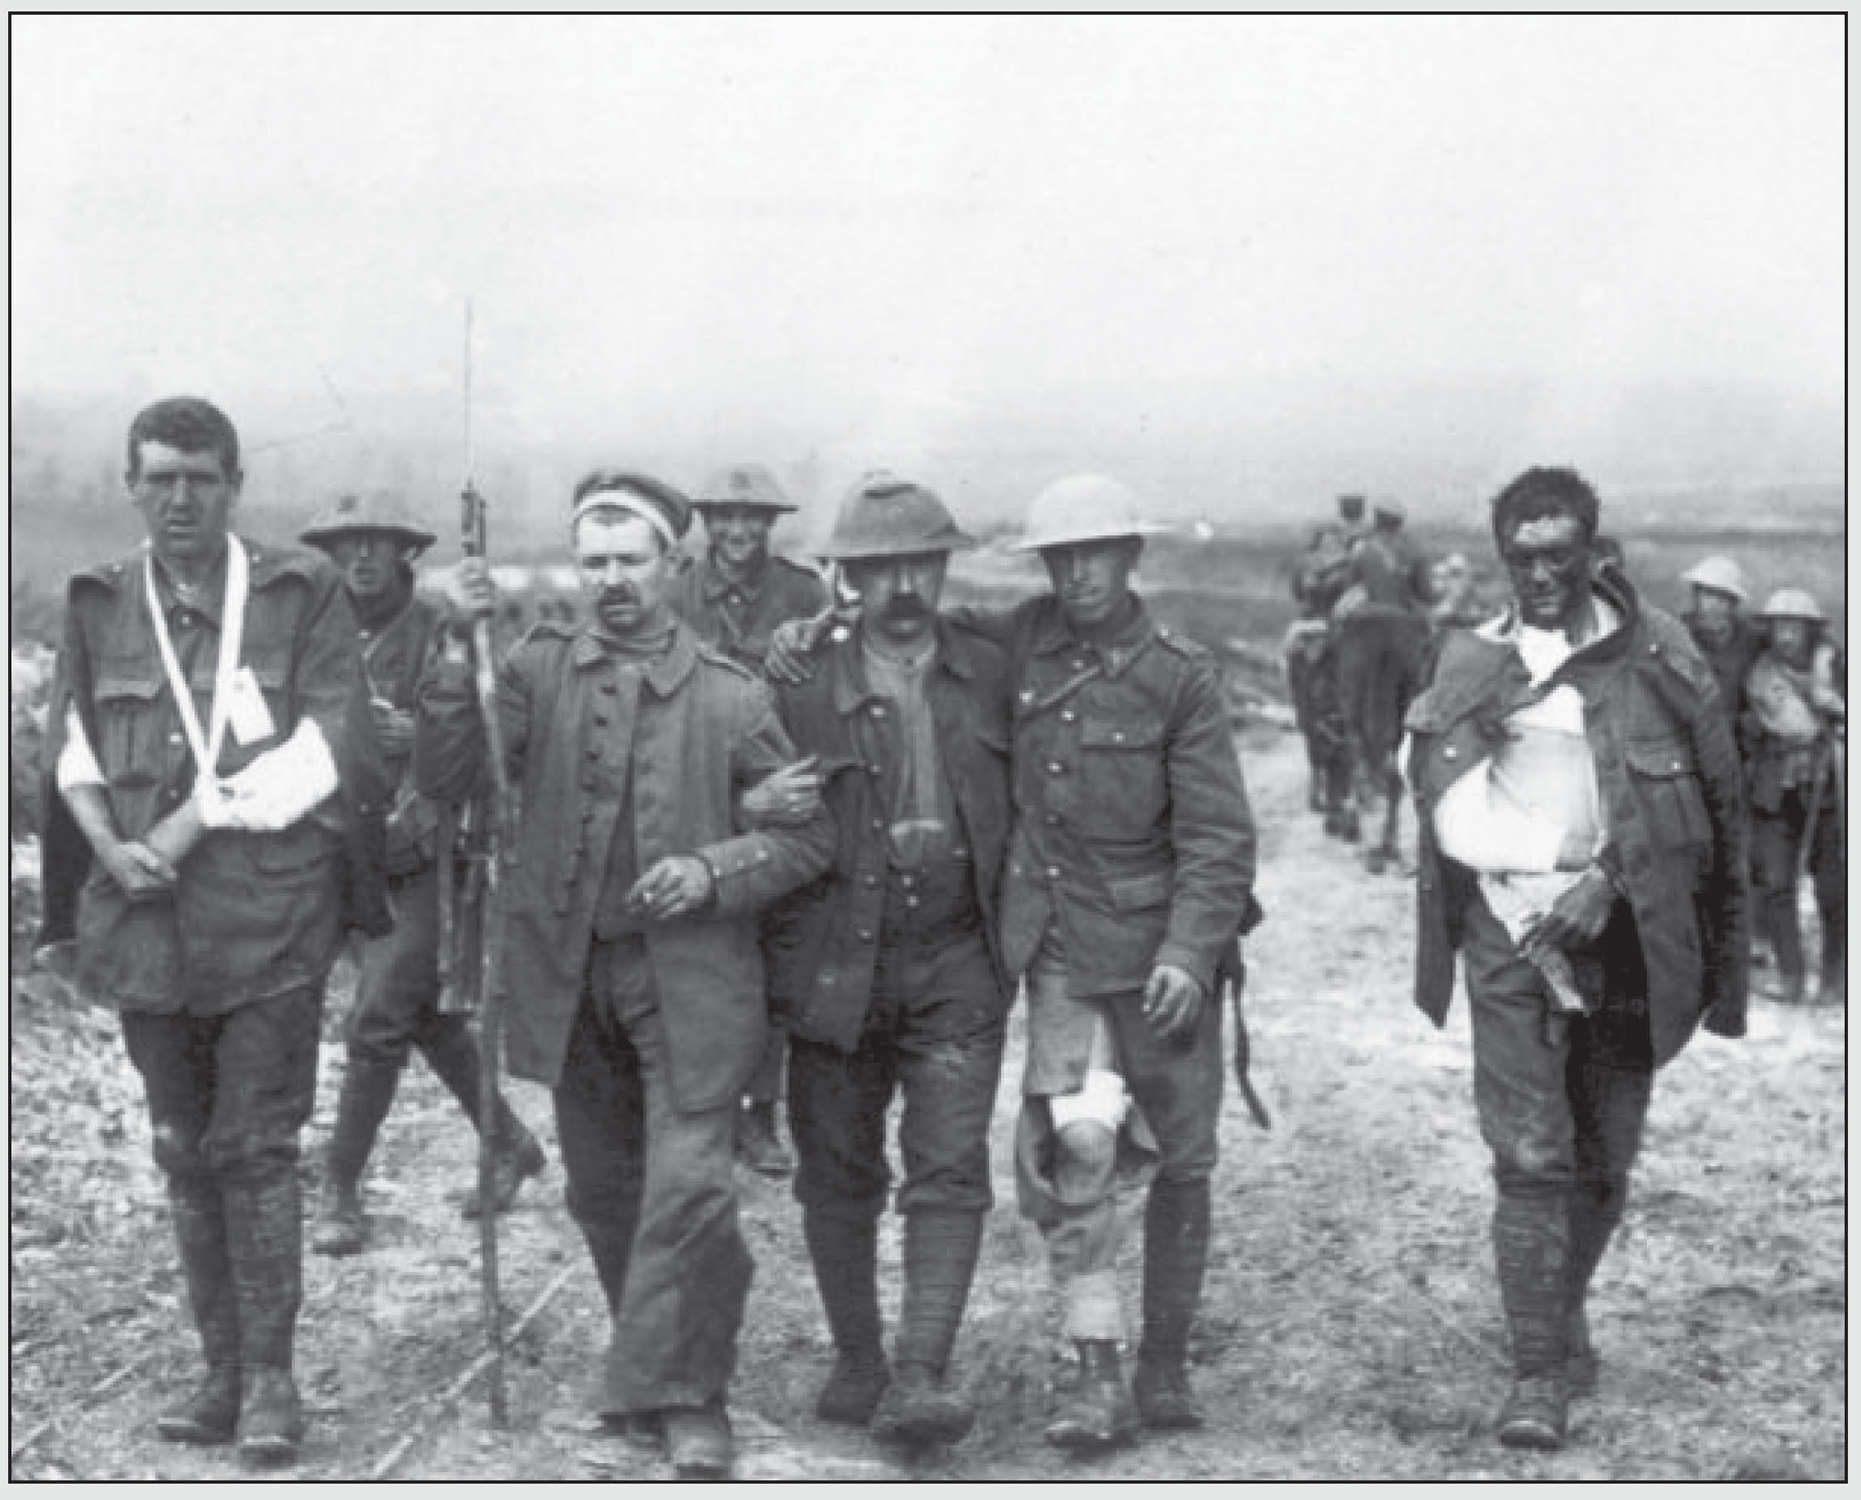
{"x": 753, "y": 808}
{"x": 1372, "y": 608}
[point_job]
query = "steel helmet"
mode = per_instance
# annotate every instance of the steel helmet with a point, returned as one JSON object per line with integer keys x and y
{"x": 1083, "y": 508}
{"x": 1792, "y": 604}
{"x": 743, "y": 484}
{"x": 886, "y": 516}
{"x": 1720, "y": 574}
{"x": 367, "y": 510}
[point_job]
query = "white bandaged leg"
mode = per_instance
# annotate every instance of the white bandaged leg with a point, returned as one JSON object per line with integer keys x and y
{"x": 1101, "y": 1099}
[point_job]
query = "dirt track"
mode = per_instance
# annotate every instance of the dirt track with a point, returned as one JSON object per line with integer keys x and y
{"x": 1350, "y": 1330}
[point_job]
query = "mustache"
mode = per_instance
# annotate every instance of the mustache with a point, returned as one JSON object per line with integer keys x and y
{"x": 905, "y": 607}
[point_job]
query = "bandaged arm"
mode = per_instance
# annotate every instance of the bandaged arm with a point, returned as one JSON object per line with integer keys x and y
{"x": 277, "y": 788}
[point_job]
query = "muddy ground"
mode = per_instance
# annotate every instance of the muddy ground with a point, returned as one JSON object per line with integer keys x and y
{"x": 1350, "y": 1329}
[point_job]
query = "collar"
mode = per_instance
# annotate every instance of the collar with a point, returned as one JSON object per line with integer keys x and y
{"x": 847, "y": 672}
{"x": 1116, "y": 650}
{"x": 714, "y": 585}
{"x": 663, "y": 672}
{"x": 207, "y": 599}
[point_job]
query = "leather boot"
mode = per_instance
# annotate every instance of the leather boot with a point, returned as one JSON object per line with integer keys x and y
{"x": 368, "y": 1086}
{"x": 758, "y": 1146}
{"x": 210, "y": 1413}
{"x": 1176, "y": 1224}
{"x": 1531, "y": 1248}
{"x": 845, "y": 1253}
{"x": 698, "y": 1439}
{"x": 1787, "y": 943}
{"x": 264, "y": 1234}
{"x": 941, "y": 1247}
{"x": 1097, "y": 1413}
{"x": 453, "y": 1056}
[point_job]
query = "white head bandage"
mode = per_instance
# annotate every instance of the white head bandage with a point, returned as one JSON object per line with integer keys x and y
{"x": 619, "y": 499}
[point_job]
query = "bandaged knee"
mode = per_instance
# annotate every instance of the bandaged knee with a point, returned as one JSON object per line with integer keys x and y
{"x": 1101, "y": 1099}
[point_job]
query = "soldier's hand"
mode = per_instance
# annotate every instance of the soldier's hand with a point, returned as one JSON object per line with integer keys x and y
{"x": 789, "y": 796}
{"x": 1576, "y": 918}
{"x": 470, "y": 592}
{"x": 792, "y": 645}
{"x": 394, "y": 729}
{"x": 1173, "y": 1001}
{"x": 142, "y": 873}
{"x": 675, "y": 887}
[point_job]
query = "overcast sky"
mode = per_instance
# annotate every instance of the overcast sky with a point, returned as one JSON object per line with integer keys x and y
{"x": 880, "y": 226}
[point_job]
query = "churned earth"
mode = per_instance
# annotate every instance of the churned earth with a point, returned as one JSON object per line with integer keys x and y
{"x": 1350, "y": 1329}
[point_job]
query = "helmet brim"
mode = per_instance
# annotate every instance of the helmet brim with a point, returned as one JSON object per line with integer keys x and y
{"x": 1064, "y": 538}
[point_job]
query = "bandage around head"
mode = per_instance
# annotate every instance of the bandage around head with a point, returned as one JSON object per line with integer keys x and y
{"x": 1100, "y": 1099}
{"x": 621, "y": 500}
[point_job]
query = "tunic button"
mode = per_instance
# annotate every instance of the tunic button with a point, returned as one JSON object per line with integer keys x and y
{"x": 1053, "y": 872}
{"x": 1051, "y": 817}
{"x": 1450, "y": 753}
{"x": 1054, "y": 768}
{"x": 878, "y": 710}
{"x": 871, "y": 881}
{"x": 1067, "y": 715}
{"x": 1654, "y": 648}
{"x": 865, "y": 934}
{"x": 1079, "y": 665}
{"x": 878, "y": 825}
{"x": 174, "y": 739}
{"x": 1117, "y": 736}
{"x": 1678, "y": 765}
{"x": 911, "y": 901}
{"x": 875, "y": 769}
{"x": 1027, "y": 695}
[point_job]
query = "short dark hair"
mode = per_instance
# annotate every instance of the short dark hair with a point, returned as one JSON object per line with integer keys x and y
{"x": 1540, "y": 493}
{"x": 188, "y": 425}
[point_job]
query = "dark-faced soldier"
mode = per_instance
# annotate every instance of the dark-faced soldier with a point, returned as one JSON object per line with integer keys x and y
{"x": 397, "y": 1007}
{"x": 1583, "y": 847}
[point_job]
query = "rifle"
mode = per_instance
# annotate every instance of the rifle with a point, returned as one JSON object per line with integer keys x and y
{"x": 489, "y": 977}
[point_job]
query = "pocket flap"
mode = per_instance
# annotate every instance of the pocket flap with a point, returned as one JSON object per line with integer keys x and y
{"x": 1670, "y": 755}
{"x": 139, "y": 689}
{"x": 1139, "y": 892}
{"x": 1120, "y": 734}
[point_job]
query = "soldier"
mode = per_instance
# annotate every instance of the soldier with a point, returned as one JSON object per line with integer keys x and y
{"x": 1310, "y": 652}
{"x": 1382, "y": 635}
{"x": 887, "y": 971}
{"x": 1795, "y": 724}
{"x": 373, "y": 542}
{"x": 1583, "y": 846}
{"x": 734, "y": 596}
{"x": 1129, "y": 872}
{"x": 629, "y": 906}
{"x": 1723, "y": 637}
{"x": 209, "y": 691}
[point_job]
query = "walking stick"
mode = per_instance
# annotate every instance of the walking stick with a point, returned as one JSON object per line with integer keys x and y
{"x": 489, "y": 975}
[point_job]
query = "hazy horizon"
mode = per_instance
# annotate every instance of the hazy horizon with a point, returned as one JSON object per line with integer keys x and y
{"x": 1267, "y": 258}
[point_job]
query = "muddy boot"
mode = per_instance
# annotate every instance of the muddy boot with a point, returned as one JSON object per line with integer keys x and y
{"x": 1097, "y": 1413}
{"x": 698, "y": 1440}
{"x": 453, "y": 1056}
{"x": 941, "y": 1246}
{"x": 845, "y": 1253}
{"x": 1350, "y": 827}
{"x": 1530, "y": 1244}
{"x": 210, "y": 1413}
{"x": 264, "y": 1234}
{"x": 1176, "y": 1220}
{"x": 368, "y": 1086}
{"x": 1787, "y": 943}
{"x": 508, "y": 1170}
{"x": 758, "y": 1147}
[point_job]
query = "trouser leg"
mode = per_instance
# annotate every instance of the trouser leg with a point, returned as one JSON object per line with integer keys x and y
{"x": 836, "y": 1106}
{"x": 1521, "y": 1090}
{"x": 1775, "y": 839}
{"x": 368, "y": 1089}
{"x": 1610, "y": 1103}
{"x": 688, "y": 1277}
{"x": 266, "y": 1057}
{"x": 175, "y": 1057}
{"x": 601, "y": 1129}
{"x": 1829, "y": 863}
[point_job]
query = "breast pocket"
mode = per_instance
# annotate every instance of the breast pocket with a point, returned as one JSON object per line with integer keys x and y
{"x": 130, "y": 726}
{"x": 1666, "y": 775}
{"x": 1122, "y": 778}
